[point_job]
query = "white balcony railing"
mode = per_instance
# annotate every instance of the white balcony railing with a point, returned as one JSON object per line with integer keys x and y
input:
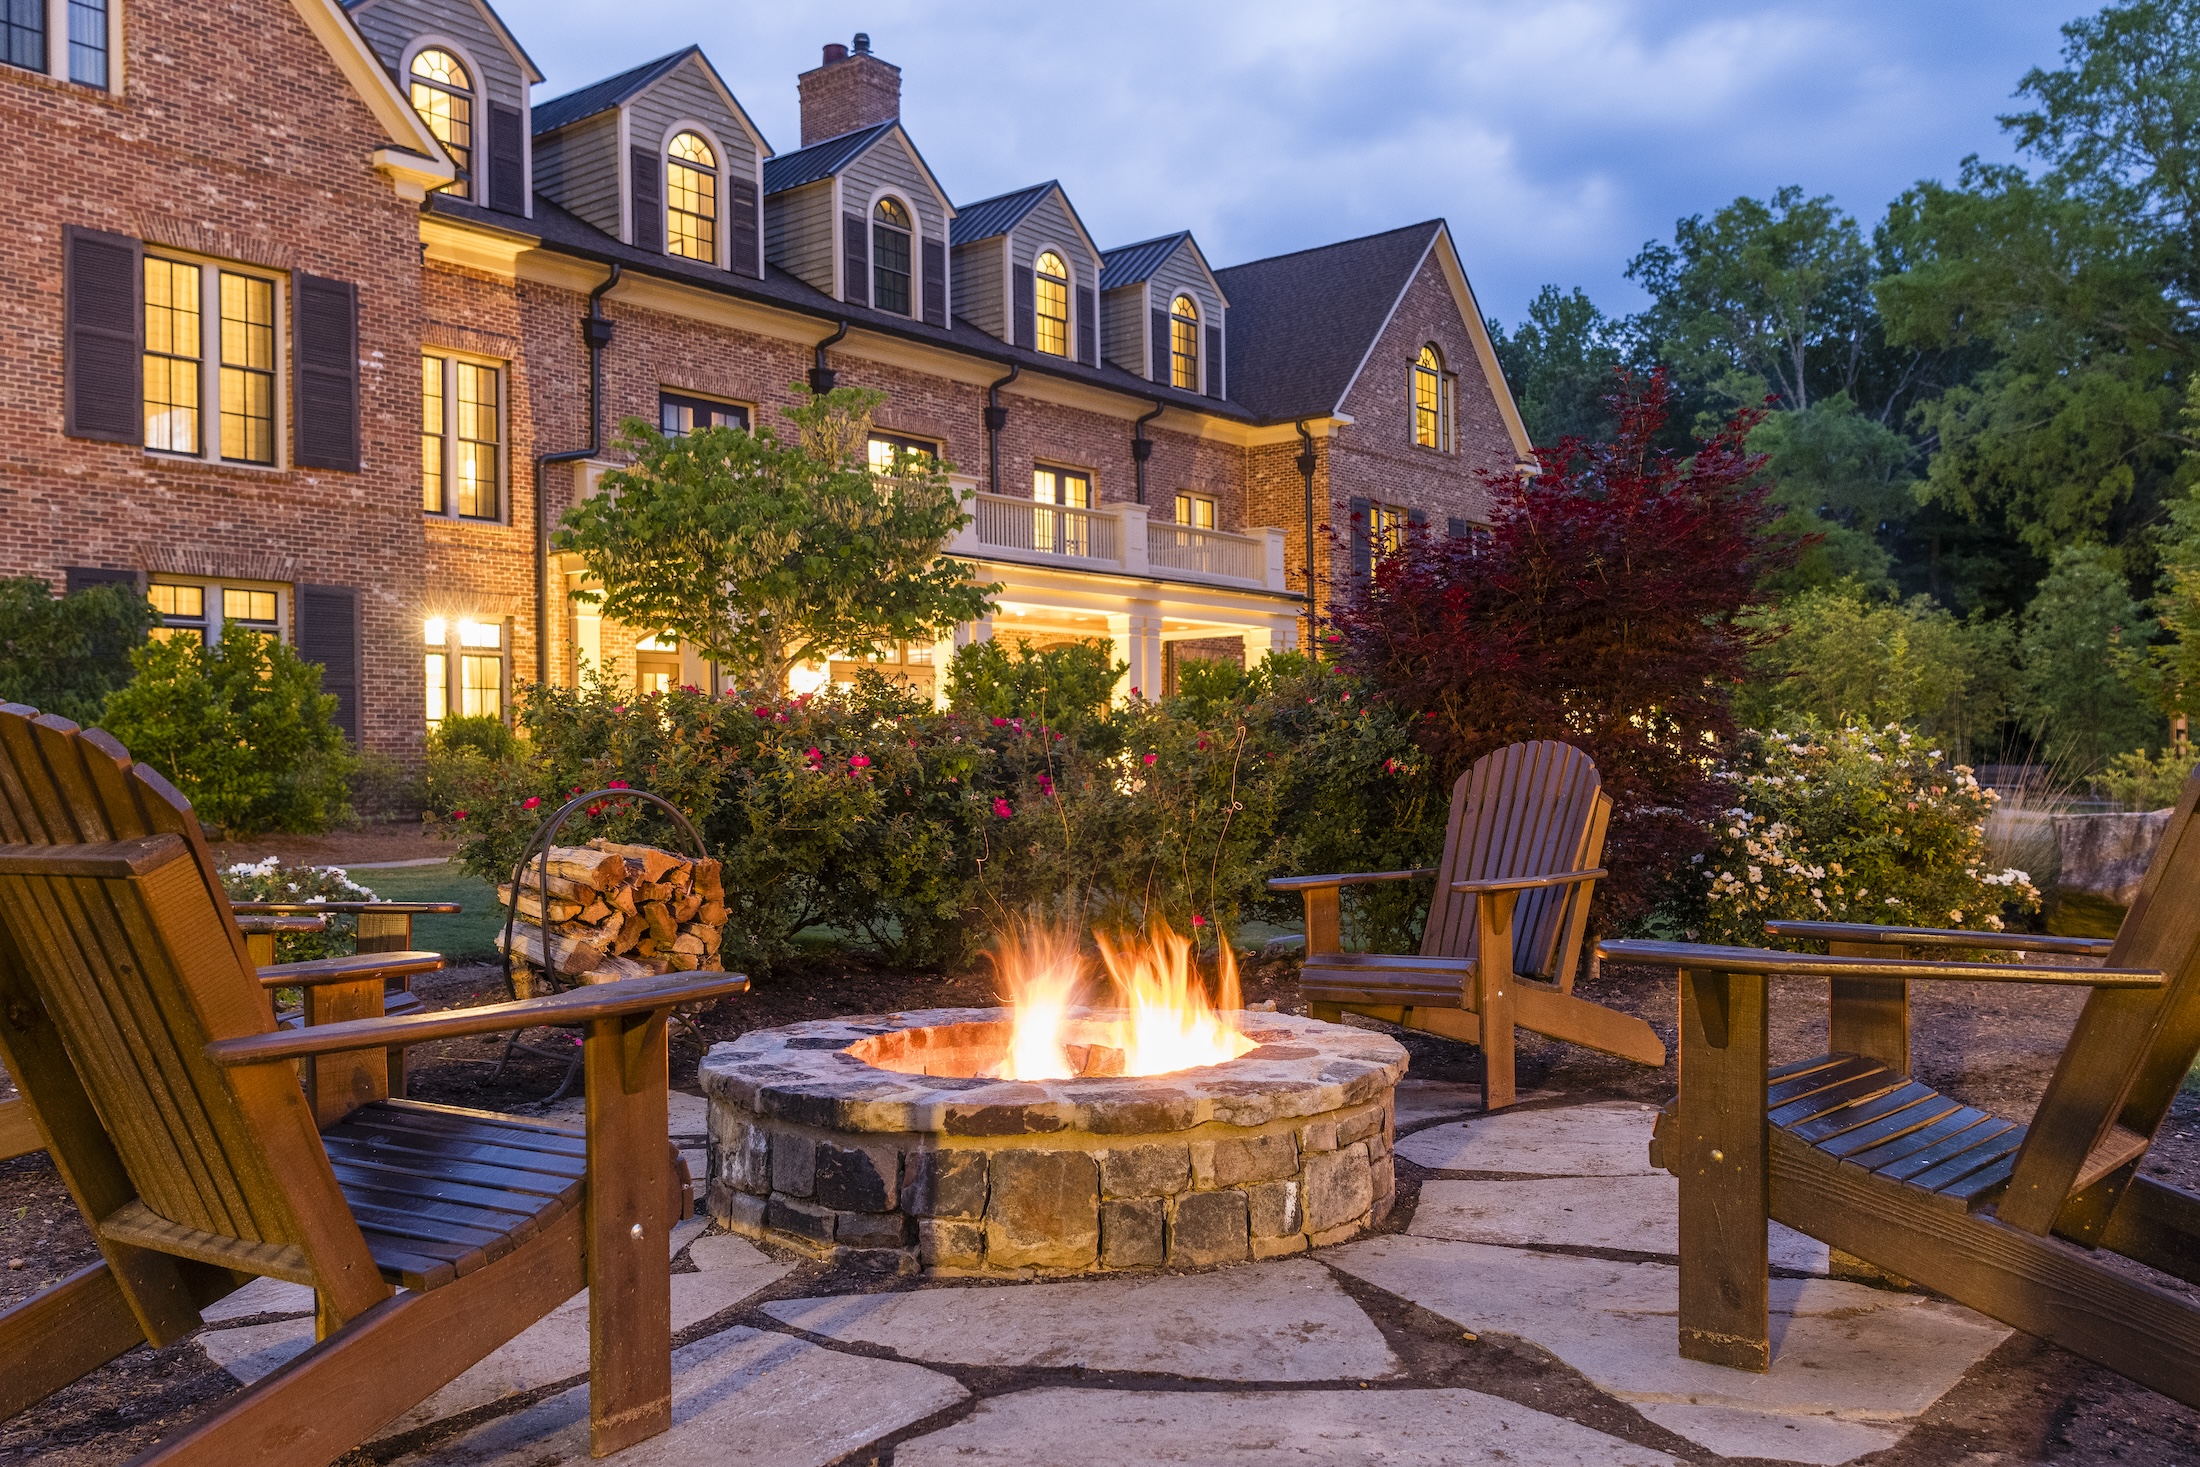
{"x": 1049, "y": 529}
{"x": 1205, "y": 553}
{"x": 1117, "y": 537}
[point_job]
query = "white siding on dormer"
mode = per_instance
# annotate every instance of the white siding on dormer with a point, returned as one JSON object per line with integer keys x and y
{"x": 1050, "y": 226}
{"x": 1123, "y": 328}
{"x": 686, "y": 95}
{"x": 1180, "y": 274}
{"x": 978, "y": 281}
{"x": 801, "y": 236}
{"x": 391, "y": 26}
{"x": 577, "y": 168}
{"x": 885, "y": 167}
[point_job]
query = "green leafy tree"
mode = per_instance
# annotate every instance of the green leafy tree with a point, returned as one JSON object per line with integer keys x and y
{"x": 242, "y": 729}
{"x": 766, "y": 551}
{"x": 1561, "y": 363}
{"x": 2086, "y": 686}
{"x": 64, "y": 655}
{"x": 1840, "y": 476}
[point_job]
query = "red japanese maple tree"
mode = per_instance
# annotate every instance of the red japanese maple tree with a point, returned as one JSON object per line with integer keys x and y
{"x": 1599, "y": 609}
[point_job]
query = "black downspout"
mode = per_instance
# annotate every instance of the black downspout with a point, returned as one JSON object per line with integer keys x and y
{"x": 821, "y": 376}
{"x": 996, "y": 418}
{"x": 597, "y": 331}
{"x": 1306, "y": 472}
{"x": 1142, "y": 448}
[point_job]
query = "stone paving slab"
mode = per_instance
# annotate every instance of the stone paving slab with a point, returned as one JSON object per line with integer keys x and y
{"x": 1403, "y": 1428}
{"x": 1841, "y": 1350}
{"x": 1823, "y": 1441}
{"x": 261, "y": 1296}
{"x": 1428, "y": 1100}
{"x": 746, "y": 1396}
{"x": 1607, "y": 1139}
{"x": 1638, "y": 1214}
{"x": 1284, "y": 1320}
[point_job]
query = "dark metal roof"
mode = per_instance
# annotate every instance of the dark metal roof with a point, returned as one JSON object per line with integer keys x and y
{"x": 1301, "y": 324}
{"x": 997, "y": 215}
{"x": 604, "y": 95}
{"x": 1130, "y": 264}
{"x": 820, "y": 160}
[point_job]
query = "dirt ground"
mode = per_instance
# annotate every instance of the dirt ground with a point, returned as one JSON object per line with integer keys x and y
{"x": 1990, "y": 1045}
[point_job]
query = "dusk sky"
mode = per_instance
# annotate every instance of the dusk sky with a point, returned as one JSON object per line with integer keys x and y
{"x": 1556, "y": 138}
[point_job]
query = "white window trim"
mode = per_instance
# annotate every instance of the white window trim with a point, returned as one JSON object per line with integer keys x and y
{"x": 210, "y": 365}
{"x": 449, "y": 513}
{"x": 57, "y": 45}
{"x": 702, "y": 395}
{"x": 902, "y": 197}
{"x": 1069, "y": 262}
{"x": 436, "y": 41}
{"x": 721, "y": 256}
{"x": 212, "y": 626}
{"x": 452, "y": 649}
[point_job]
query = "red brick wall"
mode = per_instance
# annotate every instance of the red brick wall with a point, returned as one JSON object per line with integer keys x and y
{"x": 236, "y": 137}
{"x": 843, "y": 95}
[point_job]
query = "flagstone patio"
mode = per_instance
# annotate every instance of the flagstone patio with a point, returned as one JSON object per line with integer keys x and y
{"x": 1521, "y": 1313}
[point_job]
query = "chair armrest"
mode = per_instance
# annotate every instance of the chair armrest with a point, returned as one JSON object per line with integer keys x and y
{"x": 349, "y": 909}
{"x": 1356, "y": 878}
{"x": 1530, "y": 883}
{"x": 575, "y": 1006}
{"x": 2026, "y": 942}
{"x": 1811, "y": 965}
{"x": 254, "y": 924}
{"x": 355, "y": 969}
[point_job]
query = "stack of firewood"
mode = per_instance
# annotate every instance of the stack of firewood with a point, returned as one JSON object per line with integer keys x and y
{"x": 617, "y": 912}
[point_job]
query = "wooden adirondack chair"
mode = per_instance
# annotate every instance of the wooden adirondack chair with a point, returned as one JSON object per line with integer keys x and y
{"x": 1505, "y": 926}
{"x": 2008, "y": 1219}
{"x": 151, "y": 1065}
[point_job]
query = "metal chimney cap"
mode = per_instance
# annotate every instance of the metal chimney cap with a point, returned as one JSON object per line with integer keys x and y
{"x": 863, "y": 43}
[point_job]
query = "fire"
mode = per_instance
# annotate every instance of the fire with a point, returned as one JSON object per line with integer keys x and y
{"x": 1167, "y": 1022}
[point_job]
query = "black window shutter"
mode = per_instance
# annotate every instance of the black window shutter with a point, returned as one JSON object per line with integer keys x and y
{"x": 1455, "y": 528}
{"x": 935, "y": 283}
{"x": 328, "y": 633}
{"x": 1214, "y": 362}
{"x": 1161, "y": 372}
{"x": 649, "y": 200}
{"x": 1416, "y": 526}
{"x": 746, "y": 231}
{"x": 1363, "y": 543}
{"x": 507, "y": 160}
{"x": 103, "y": 381}
{"x": 855, "y": 265}
{"x": 76, "y": 577}
{"x": 327, "y": 397}
{"x": 1026, "y": 307}
{"x": 1088, "y": 326}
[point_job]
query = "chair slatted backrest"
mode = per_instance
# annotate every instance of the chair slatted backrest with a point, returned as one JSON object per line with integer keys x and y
{"x": 111, "y": 914}
{"x": 1523, "y": 810}
{"x": 2128, "y": 1053}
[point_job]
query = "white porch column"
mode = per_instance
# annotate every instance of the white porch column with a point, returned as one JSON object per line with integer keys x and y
{"x": 1130, "y": 529}
{"x": 1137, "y": 634}
{"x": 1272, "y": 567}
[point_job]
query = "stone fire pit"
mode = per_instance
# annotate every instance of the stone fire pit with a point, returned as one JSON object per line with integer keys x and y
{"x": 873, "y": 1133}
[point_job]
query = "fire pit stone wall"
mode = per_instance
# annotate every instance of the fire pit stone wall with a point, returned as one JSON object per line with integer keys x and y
{"x": 1285, "y": 1148}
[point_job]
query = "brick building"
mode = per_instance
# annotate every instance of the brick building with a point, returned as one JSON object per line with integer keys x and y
{"x": 309, "y": 296}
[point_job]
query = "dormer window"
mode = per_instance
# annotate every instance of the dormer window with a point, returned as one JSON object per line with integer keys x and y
{"x": 443, "y": 95}
{"x": 691, "y": 199}
{"x": 1431, "y": 400}
{"x": 1184, "y": 344}
{"x": 1051, "y": 289}
{"x": 890, "y": 257}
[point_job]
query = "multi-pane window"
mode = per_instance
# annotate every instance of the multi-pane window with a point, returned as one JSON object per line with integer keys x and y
{"x": 463, "y": 668}
{"x": 656, "y": 663}
{"x": 23, "y": 33}
{"x": 1184, "y": 344}
{"x": 1064, "y": 534}
{"x": 461, "y": 437}
{"x": 679, "y": 415}
{"x": 443, "y": 95}
{"x": 886, "y": 448}
{"x": 1196, "y": 511}
{"x": 210, "y": 337}
{"x": 182, "y": 611}
{"x": 1431, "y": 400}
{"x": 890, "y": 257}
{"x": 1050, "y": 294}
{"x": 691, "y": 199}
{"x": 1386, "y": 529}
{"x": 199, "y": 610}
{"x": 88, "y": 42}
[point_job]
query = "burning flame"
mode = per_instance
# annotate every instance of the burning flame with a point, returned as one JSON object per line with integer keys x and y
{"x": 1168, "y": 1021}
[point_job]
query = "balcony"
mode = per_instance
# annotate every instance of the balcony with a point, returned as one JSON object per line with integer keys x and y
{"x": 1117, "y": 538}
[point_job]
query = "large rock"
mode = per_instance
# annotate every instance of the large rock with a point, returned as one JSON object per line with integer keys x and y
{"x": 1044, "y": 1210}
{"x": 2102, "y": 859}
{"x": 1209, "y": 1227}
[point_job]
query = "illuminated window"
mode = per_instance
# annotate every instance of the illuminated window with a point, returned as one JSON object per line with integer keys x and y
{"x": 478, "y": 661}
{"x": 431, "y": 434}
{"x": 679, "y": 415}
{"x": 1386, "y": 529}
{"x": 480, "y": 687}
{"x": 23, "y": 33}
{"x": 1051, "y": 291}
{"x": 477, "y": 441}
{"x": 890, "y": 228}
{"x": 255, "y": 609}
{"x": 461, "y": 438}
{"x": 1431, "y": 400}
{"x": 1195, "y": 510}
{"x": 439, "y": 687}
{"x": 443, "y": 95}
{"x": 182, "y": 611}
{"x": 248, "y": 368}
{"x": 691, "y": 199}
{"x": 656, "y": 663}
{"x": 87, "y": 41}
{"x": 1184, "y": 344}
{"x": 886, "y": 448}
{"x": 173, "y": 351}
{"x": 1064, "y": 534}
{"x": 199, "y": 610}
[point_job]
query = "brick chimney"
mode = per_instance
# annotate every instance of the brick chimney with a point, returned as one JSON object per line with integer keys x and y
{"x": 852, "y": 89}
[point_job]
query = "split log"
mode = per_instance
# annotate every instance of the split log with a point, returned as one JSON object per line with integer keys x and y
{"x": 580, "y": 864}
{"x": 655, "y": 863}
{"x": 530, "y": 905}
{"x": 619, "y": 911}
{"x": 567, "y": 954}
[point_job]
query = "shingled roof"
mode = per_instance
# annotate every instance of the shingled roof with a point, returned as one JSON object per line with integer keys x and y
{"x": 1301, "y": 324}
{"x": 1132, "y": 263}
{"x": 604, "y": 95}
{"x": 999, "y": 214}
{"x": 820, "y": 160}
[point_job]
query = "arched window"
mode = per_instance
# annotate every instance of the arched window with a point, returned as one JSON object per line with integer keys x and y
{"x": 890, "y": 257}
{"x": 1431, "y": 400}
{"x": 691, "y": 199}
{"x": 1051, "y": 295}
{"x": 1184, "y": 344}
{"x": 443, "y": 95}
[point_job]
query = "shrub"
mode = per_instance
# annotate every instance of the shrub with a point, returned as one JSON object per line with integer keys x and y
{"x": 1070, "y": 685}
{"x": 1851, "y": 825}
{"x": 2087, "y": 685}
{"x": 480, "y": 733}
{"x": 382, "y": 788}
{"x": 65, "y": 655}
{"x": 242, "y": 729}
{"x": 2139, "y": 781}
{"x": 270, "y": 880}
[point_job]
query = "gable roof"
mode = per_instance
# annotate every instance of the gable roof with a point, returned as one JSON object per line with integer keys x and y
{"x": 418, "y": 160}
{"x": 998, "y": 215}
{"x": 820, "y": 160}
{"x": 496, "y": 23}
{"x": 1132, "y": 264}
{"x": 1301, "y": 324}
{"x": 604, "y": 95}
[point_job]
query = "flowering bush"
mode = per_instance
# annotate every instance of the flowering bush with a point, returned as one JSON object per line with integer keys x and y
{"x": 1852, "y": 825}
{"x": 270, "y": 880}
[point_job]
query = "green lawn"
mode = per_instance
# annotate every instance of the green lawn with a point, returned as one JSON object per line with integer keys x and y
{"x": 468, "y": 937}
